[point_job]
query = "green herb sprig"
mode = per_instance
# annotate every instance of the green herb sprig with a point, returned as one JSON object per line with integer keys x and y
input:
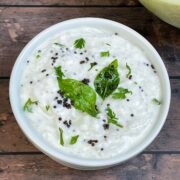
{"x": 37, "y": 55}
{"x": 105, "y": 54}
{"x": 92, "y": 65}
{"x": 27, "y": 106}
{"x": 107, "y": 80}
{"x": 59, "y": 72}
{"x": 74, "y": 139}
{"x": 47, "y": 107}
{"x": 156, "y": 101}
{"x": 82, "y": 95}
{"x": 129, "y": 70}
{"x": 121, "y": 93}
{"x": 60, "y": 45}
{"x": 112, "y": 119}
{"x": 61, "y": 136}
{"x": 79, "y": 43}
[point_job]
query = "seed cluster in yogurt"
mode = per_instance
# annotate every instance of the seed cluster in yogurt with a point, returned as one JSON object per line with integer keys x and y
{"x": 90, "y": 92}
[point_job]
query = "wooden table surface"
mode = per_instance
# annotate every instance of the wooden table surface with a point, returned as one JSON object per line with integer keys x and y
{"x": 20, "y": 20}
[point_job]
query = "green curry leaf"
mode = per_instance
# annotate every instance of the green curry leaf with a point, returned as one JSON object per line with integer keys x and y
{"x": 27, "y": 106}
{"x": 92, "y": 65}
{"x": 107, "y": 80}
{"x": 112, "y": 121}
{"x": 82, "y": 95}
{"x": 111, "y": 115}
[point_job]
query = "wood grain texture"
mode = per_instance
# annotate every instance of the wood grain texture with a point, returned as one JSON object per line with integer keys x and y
{"x": 18, "y": 25}
{"x": 11, "y": 137}
{"x": 13, "y": 140}
{"x": 143, "y": 167}
{"x": 71, "y": 2}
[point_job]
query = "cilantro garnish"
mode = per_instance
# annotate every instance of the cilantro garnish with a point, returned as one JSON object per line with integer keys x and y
{"x": 107, "y": 80}
{"x": 129, "y": 71}
{"x": 28, "y": 104}
{"x": 59, "y": 44}
{"x": 79, "y": 43}
{"x": 105, "y": 54}
{"x": 82, "y": 95}
{"x": 47, "y": 107}
{"x": 59, "y": 72}
{"x": 112, "y": 119}
{"x": 61, "y": 137}
{"x": 121, "y": 94}
{"x": 74, "y": 139}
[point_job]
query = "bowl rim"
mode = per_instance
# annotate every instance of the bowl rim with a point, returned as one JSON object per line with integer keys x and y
{"x": 76, "y": 161}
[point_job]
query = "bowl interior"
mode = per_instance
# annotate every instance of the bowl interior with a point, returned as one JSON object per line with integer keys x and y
{"x": 37, "y": 140}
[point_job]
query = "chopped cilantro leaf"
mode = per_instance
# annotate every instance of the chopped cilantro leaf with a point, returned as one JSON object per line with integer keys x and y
{"x": 121, "y": 94}
{"x": 47, "y": 107}
{"x": 107, "y": 80}
{"x": 111, "y": 114}
{"x": 59, "y": 72}
{"x": 79, "y": 43}
{"x": 61, "y": 137}
{"x": 129, "y": 71}
{"x": 155, "y": 101}
{"x": 74, "y": 139}
{"x": 112, "y": 119}
{"x": 27, "y": 105}
{"x": 92, "y": 65}
{"x": 59, "y": 44}
{"x": 37, "y": 55}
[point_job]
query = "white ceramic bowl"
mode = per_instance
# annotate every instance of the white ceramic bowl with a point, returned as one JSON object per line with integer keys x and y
{"x": 38, "y": 141}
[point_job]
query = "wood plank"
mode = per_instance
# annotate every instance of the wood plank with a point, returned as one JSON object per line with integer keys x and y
{"x": 11, "y": 137}
{"x": 142, "y": 167}
{"x": 13, "y": 140}
{"x": 19, "y": 25}
{"x": 72, "y": 2}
